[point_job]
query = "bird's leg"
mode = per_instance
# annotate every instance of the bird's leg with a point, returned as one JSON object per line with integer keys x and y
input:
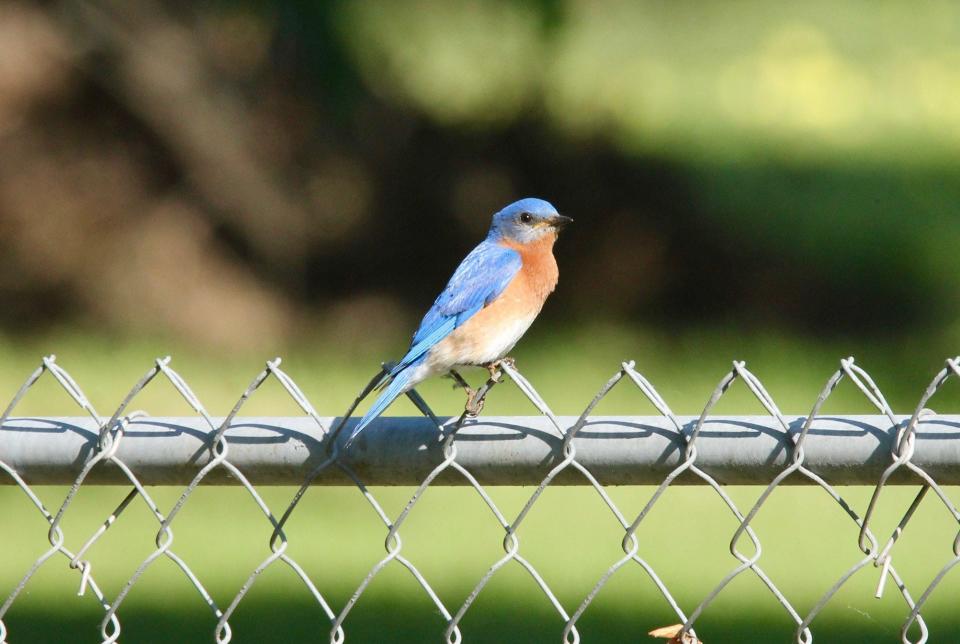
{"x": 474, "y": 404}
{"x": 459, "y": 380}
{"x": 494, "y": 367}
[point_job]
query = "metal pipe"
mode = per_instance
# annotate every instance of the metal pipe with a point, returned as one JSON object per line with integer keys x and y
{"x": 629, "y": 450}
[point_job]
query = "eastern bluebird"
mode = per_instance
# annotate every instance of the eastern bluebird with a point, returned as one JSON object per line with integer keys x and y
{"x": 488, "y": 304}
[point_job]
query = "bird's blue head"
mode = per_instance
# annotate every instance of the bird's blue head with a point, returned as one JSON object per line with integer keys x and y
{"x": 526, "y": 221}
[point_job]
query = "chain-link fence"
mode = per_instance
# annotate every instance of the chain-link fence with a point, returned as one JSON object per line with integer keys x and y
{"x": 133, "y": 449}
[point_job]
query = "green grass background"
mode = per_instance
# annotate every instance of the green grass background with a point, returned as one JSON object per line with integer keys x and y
{"x": 570, "y": 536}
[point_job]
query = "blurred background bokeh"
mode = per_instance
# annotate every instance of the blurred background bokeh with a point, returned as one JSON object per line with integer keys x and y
{"x": 231, "y": 180}
{"x": 176, "y": 167}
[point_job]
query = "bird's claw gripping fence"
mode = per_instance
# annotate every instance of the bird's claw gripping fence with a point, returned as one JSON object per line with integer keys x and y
{"x": 552, "y": 450}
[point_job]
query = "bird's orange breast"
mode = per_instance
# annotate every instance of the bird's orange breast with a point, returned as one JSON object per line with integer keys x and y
{"x": 538, "y": 275}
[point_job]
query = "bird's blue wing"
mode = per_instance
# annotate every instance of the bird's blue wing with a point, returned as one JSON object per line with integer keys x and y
{"x": 480, "y": 278}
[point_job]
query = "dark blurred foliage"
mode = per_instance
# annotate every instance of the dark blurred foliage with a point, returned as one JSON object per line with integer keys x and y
{"x": 234, "y": 172}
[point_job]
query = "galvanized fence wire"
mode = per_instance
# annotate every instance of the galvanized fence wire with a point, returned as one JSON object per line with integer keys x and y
{"x": 745, "y": 545}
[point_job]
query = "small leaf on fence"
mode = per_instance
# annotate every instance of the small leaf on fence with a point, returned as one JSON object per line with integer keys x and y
{"x": 675, "y": 634}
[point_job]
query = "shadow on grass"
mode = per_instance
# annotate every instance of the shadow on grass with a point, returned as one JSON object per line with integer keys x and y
{"x": 403, "y": 621}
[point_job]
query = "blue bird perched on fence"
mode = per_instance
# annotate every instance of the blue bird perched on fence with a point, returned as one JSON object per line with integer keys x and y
{"x": 489, "y": 303}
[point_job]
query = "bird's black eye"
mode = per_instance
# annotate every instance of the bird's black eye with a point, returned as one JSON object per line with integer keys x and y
{"x": 526, "y": 217}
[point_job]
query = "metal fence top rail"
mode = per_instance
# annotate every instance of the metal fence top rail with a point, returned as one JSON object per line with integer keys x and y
{"x": 621, "y": 450}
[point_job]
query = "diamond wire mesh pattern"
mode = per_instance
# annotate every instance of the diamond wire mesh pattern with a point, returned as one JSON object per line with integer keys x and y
{"x": 111, "y": 433}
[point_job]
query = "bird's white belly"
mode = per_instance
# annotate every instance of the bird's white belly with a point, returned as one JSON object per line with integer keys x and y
{"x": 498, "y": 341}
{"x": 481, "y": 345}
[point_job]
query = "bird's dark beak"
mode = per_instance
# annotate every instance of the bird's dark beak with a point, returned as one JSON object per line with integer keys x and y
{"x": 559, "y": 221}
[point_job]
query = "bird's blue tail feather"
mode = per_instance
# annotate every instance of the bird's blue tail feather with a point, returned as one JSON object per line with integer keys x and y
{"x": 383, "y": 401}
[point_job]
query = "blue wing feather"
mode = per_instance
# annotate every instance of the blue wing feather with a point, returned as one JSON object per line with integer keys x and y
{"x": 481, "y": 277}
